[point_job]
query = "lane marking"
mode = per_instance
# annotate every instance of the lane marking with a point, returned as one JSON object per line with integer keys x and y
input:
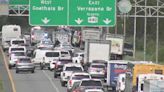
{"x": 49, "y": 78}
{"x": 8, "y": 71}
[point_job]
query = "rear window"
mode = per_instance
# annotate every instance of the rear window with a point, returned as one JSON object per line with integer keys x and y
{"x": 73, "y": 68}
{"x": 19, "y": 54}
{"x": 17, "y": 42}
{"x": 79, "y": 77}
{"x": 98, "y": 66}
{"x": 25, "y": 60}
{"x": 64, "y": 54}
{"x": 52, "y": 54}
{"x": 91, "y": 83}
{"x": 17, "y": 49}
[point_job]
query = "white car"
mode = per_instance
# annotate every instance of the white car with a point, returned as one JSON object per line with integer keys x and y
{"x": 76, "y": 77}
{"x": 46, "y": 43}
{"x": 68, "y": 69}
{"x": 97, "y": 70}
{"x": 65, "y": 46}
{"x": 13, "y": 58}
{"x": 78, "y": 57}
{"x": 16, "y": 48}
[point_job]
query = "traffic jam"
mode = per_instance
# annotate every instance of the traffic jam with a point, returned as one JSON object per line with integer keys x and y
{"x": 82, "y": 60}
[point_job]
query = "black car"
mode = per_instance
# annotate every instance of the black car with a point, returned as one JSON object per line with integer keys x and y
{"x": 59, "y": 66}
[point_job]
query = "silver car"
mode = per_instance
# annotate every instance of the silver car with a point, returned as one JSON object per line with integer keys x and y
{"x": 24, "y": 64}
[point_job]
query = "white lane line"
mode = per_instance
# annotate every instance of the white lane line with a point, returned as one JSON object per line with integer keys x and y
{"x": 49, "y": 78}
{"x": 8, "y": 71}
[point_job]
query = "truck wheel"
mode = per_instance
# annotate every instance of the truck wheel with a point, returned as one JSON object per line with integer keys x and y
{"x": 32, "y": 71}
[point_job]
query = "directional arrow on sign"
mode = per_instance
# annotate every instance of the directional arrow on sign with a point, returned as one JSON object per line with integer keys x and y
{"x": 107, "y": 21}
{"x": 79, "y": 21}
{"x": 45, "y": 20}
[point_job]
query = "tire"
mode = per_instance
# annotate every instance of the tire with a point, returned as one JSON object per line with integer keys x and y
{"x": 32, "y": 71}
{"x": 62, "y": 83}
{"x": 17, "y": 71}
{"x": 55, "y": 75}
{"x": 9, "y": 66}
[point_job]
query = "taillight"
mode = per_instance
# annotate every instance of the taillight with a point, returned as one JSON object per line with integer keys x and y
{"x": 70, "y": 82}
{"x": 56, "y": 65}
{"x": 17, "y": 62}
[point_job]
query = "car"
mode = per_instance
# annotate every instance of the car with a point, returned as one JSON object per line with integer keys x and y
{"x": 58, "y": 66}
{"x": 47, "y": 58}
{"x": 13, "y": 57}
{"x": 65, "y": 46}
{"x": 75, "y": 77}
{"x": 18, "y": 42}
{"x": 16, "y": 48}
{"x": 78, "y": 58}
{"x": 86, "y": 84}
{"x": 24, "y": 64}
{"x": 97, "y": 70}
{"x": 46, "y": 43}
{"x": 68, "y": 69}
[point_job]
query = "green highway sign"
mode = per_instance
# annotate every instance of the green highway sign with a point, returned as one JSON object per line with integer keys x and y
{"x": 48, "y": 12}
{"x": 72, "y": 12}
{"x": 92, "y": 12}
{"x": 19, "y": 2}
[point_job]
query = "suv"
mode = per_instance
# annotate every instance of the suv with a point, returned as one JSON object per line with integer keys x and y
{"x": 86, "y": 84}
{"x": 59, "y": 66}
{"x": 25, "y": 64}
{"x": 68, "y": 69}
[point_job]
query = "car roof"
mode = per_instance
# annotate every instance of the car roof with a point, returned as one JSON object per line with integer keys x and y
{"x": 97, "y": 64}
{"x": 72, "y": 64}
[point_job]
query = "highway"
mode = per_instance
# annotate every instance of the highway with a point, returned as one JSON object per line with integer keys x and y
{"x": 40, "y": 81}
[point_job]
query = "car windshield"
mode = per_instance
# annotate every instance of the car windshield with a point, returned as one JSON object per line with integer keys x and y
{"x": 98, "y": 66}
{"x": 25, "y": 60}
{"x": 73, "y": 68}
{"x": 79, "y": 77}
{"x": 17, "y": 42}
{"x": 52, "y": 54}
{"x": 91, "y": 83}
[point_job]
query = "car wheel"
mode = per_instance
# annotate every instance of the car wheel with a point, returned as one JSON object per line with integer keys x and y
{"x": 9, "y": 66}
{"x": 32, "y": 71}
{"x": 55, "y": 75}
{"x": 62, "y": 83}
{"x": 17, "y": 71}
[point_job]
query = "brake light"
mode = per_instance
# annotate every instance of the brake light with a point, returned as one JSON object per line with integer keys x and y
{"x": 56, "y": 65}
{"x": 70, "y": 82}
{"x": 17, "y": 62}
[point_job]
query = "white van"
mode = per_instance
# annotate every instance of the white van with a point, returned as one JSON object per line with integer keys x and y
{"x": 16, "y": 48}
{"x": 142, "y": 77}
{"x": 45, "y": 57}
{"x": 18, "y": 41}
{"x": 120, "y": 83}
{"x": 9, "y": 32}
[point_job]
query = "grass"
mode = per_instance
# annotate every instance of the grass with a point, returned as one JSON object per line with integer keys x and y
{"x": 1, "y": 86}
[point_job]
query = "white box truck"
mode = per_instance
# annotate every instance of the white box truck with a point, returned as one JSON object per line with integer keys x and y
{"x": 9, "y": 32}
{"x": 97, "y": 50}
